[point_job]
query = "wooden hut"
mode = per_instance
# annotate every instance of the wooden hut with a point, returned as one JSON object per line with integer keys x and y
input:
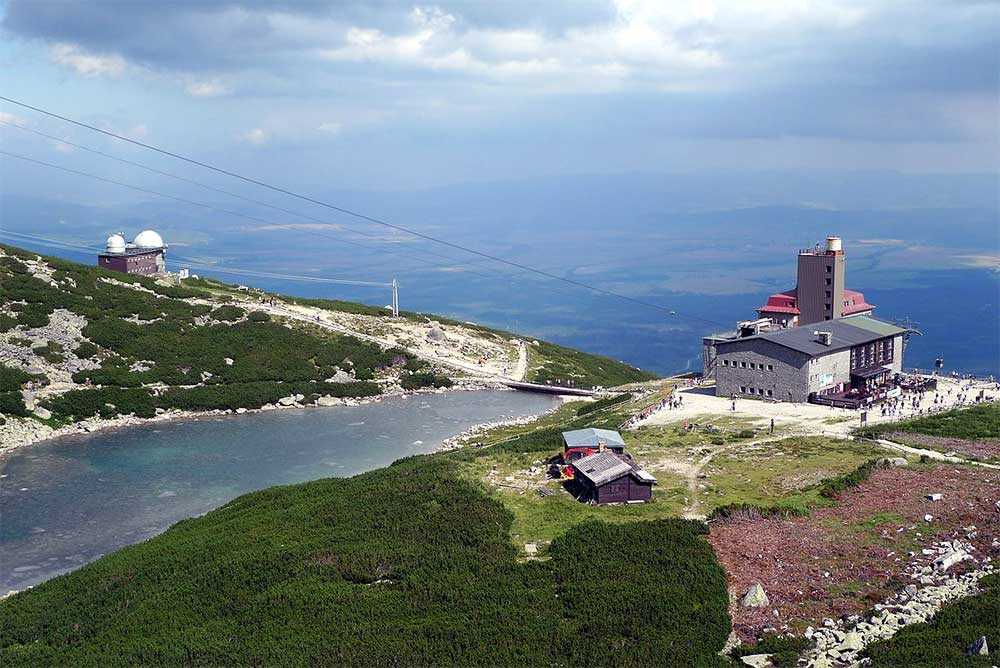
{"x": 603, "y": 477}
{"x": 583, "y": 442}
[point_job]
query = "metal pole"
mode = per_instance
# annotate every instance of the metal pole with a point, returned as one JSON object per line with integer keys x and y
{"x": 395, "y": 299}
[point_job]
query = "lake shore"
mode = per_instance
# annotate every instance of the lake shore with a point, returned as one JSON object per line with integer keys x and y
{"x": 21, "y": 432}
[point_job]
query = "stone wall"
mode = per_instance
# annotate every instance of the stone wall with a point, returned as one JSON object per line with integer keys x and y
{"x": 786, "y": 380}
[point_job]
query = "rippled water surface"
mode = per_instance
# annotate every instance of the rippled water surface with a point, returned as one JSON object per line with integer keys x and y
{"x": 68, "y": 501}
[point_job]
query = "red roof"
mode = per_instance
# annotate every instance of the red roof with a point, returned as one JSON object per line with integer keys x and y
{"x": 786, "y": 302}
{"x": 854, "y": 303}
{"x": 782, "y": 302}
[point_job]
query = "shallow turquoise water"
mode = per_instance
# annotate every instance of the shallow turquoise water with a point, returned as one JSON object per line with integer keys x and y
{"x": 65, "y": 502}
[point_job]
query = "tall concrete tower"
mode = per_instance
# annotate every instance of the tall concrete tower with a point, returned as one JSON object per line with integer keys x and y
{"x": 820, "y": 289}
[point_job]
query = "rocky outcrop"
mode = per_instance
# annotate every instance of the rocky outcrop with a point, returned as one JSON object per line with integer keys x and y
{"x": 838, "y": 645}
{"x": 755, "y": 597}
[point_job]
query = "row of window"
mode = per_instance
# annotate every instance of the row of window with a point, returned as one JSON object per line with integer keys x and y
{"x": 756, "y": 390}
{"x": 878, "y": 352}
{"x": 749, "y": 365}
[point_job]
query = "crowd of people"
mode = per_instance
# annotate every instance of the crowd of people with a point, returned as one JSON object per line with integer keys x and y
{"x": 675, "y": 400}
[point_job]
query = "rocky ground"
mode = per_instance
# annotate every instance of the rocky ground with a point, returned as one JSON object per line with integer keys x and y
{"x": 985, "y": 449}
{"x": 902, "y": 531}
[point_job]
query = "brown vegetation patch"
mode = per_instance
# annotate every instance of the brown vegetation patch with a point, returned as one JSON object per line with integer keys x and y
{"x": 841, "y": 560}
{"x": 986, "y": 448}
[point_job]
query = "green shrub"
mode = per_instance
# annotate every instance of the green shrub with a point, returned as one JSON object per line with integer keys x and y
{"x": 86, "y": 350}
{"x": 409, "y": 565}
{"x": 415, "y": 381}
{"x": 12, "y": 379}
{"x": 601, "y": 404}
{"x": 750, "y": 512}
{"x": 259, "y": 316}
{"x": 105, "y": 402}
{"x": 830, "y": 488}
{"x": 11, "y": 403}
{"x": 786, "y": 650}
{"x": 584, "y": 369}
{"x": 228, "y": 313}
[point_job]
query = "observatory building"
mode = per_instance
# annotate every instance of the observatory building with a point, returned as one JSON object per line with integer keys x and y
{"x": 145, "y": 255}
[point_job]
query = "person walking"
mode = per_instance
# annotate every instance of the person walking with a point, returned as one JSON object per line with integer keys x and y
{"x": 772, "y": 426}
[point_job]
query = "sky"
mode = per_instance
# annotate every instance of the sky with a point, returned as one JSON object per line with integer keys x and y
{"x": 395, "y": 95}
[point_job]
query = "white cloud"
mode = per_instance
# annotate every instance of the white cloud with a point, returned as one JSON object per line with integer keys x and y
{"x": 11, "y": 118}
{"x": 256, "y": 136}
{"x": 206, "y": 88}
{"x": 87, "y": 64}
{"x": 330, "y": 128}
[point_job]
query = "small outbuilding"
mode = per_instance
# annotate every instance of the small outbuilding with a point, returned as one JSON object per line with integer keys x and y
{"x": 583, "y": 442}
{"x": 603, "y": 477}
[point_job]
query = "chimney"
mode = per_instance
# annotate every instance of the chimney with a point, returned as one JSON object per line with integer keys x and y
{"x": 601, "y": 447}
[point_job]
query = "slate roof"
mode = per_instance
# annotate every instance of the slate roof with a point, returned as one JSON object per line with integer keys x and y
{"x": 592, "y": 438}
{"x": 602, "y": 467}
{"x": 846, "y": 333}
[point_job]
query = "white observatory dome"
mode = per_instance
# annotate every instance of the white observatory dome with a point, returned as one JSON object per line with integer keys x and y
{"x": 148, "y": 239}
{"x": 115, "y": 244}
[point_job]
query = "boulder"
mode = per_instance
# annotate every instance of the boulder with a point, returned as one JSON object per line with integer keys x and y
{"x": 892, "y": 461}
{"x": 228, "y": 361}
{"x": 436, "y": 335}
{"x": 340, "y": 377}
{"x": 327, "y": 400}
{"x": 756, "y": 660}
{"x": 755, "y": 597}
{"x": 42, "y": 413}
{"x": 935, "y": 497}
{"x": 949, "y": 559}
{"x": 286, "y": 401}
{"x": 852, "y": 642}
{"x": 978, "y": 648}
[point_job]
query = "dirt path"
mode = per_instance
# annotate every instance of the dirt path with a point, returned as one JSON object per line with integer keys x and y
{"x": 493, "y": 369}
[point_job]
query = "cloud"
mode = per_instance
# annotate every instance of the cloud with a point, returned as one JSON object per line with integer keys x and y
{"x": 87, "y": 64}
{"x": 206, "y": 88}
{"x": 256, "y": 136}
{"x": 330, "y": 128}
{"x": 7, "y": 117}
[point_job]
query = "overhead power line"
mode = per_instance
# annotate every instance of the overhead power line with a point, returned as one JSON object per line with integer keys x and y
{"x": 408, "y": 254}
{"x": 360, "y": 216}
{"x": 186, "y": 262}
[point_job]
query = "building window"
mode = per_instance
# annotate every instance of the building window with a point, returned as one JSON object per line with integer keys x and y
{"x": 725, "y": 362}
{"x": 828, "y": 294}
{"x": 770, "y": 367}
{"x": 829, "y": 281}
{"x": 743, "y": 390}
{"x": 827, "y": 318}
{"x": 770, "y": 393}
{"x": 743, "y": 365}
{"x": 829, "y": 269}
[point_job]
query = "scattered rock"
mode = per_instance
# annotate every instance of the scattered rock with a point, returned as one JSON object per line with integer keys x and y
{"x": 935, "y": 497}
{"x": 978, "y": 648}
{"x": 755, "y": 597}
{"x": 852, "y": 642}
{"x": 327, "y": 400}
{"x": 757, "y": 660}
{"x": 949, "y": 559}
{"x": 42, "y": 413}
{"x": 340, "y": 377}
{"x": 892, "y": 461}
{"x": 229, "y": 361}
{"x": 928, "y": 517}
{"x": 286, "y": 401}
{"x": 437, "y": 335}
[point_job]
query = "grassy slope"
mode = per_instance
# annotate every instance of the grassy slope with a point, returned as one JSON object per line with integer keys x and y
{"x": 943, "y": 640}
{"x": 976, "y": 422}
{"x": 271, "y": 360}
{"x": 408, "y": 565}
